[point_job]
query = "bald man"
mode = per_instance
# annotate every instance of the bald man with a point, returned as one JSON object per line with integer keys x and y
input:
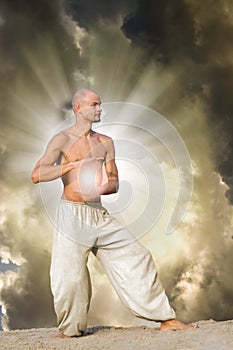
{"x": 79, "y": 155}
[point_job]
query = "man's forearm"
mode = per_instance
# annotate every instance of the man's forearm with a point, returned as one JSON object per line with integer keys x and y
{"x": 50, "y": 172}
{"x": 108, "y": 188}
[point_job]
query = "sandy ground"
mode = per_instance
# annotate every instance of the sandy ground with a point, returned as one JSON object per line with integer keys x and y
{"x": 210, "y": 335}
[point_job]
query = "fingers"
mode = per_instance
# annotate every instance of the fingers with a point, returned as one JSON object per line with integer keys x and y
{"x": 93, "y": 158}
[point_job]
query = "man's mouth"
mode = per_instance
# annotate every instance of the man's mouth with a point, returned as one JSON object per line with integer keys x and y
{"x": 97, "y": 117}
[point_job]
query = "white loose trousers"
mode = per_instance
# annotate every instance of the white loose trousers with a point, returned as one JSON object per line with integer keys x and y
{"x": 82, "y": 228}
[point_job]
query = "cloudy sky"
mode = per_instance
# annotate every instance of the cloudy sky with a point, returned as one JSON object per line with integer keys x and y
{"x": 172, "y": 56}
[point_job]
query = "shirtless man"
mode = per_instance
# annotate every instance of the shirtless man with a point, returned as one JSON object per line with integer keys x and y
{"x": 78, "y": 155}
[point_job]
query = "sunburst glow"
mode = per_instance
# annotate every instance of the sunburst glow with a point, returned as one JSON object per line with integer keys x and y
{"x": 36, "y": 106}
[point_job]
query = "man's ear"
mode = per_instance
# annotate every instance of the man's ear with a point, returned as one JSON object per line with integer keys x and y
{"x": 76, "y": 107}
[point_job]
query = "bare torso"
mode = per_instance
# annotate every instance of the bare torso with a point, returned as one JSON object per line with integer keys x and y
{"x": 80, "y": 183}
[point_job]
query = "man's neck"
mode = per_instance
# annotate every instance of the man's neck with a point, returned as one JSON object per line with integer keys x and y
{"x": 82, "y": 128}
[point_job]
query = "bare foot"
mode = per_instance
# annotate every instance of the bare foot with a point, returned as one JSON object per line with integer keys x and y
{"x": 62, "y": 335}
{"x": 174, "y": 325}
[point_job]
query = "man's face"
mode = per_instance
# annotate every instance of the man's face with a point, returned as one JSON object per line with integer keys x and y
{"x": 90, "y": 108}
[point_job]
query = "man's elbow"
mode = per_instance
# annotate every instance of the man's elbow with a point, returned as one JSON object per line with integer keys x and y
{"x": 35, "y": 177}
{"x": 116, "y": 187}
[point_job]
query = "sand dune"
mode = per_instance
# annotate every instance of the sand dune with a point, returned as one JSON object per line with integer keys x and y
{"x": 210, "y": 335}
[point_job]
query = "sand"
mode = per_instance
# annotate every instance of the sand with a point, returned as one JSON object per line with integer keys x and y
{"x": 210, "y": 335}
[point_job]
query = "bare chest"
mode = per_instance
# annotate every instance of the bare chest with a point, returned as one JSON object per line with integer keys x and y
{"x": 83, "y": 147}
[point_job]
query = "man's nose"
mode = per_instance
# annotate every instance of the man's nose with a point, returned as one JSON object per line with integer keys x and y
{"x": 99, "y": 109}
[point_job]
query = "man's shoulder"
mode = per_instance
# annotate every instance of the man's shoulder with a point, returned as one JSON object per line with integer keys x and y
{"x": 59, "y": 139}
{"x": 103, "y": 137}
{"x": 62, "y": 135}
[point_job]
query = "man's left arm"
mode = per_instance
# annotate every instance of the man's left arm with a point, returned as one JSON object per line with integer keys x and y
{"x": 112, "y": 184}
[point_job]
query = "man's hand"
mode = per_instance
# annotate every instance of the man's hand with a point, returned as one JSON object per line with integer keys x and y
{"x": 89, "y": 176}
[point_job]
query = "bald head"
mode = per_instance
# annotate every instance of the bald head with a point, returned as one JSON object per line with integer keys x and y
{"x": 81, "y": 96}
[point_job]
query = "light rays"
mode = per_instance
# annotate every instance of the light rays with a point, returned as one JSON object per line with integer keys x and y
{"x": 32, "y": 114}
{"x": 50, "y": 73}
{"x": 111, "y": 62}
{"x": 35, "y": 106}
{"x": 119, "y": 73}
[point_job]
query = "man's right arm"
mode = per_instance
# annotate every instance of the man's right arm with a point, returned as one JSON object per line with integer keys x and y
{"x": 46, "y": 168}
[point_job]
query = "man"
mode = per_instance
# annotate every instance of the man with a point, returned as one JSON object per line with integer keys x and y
{"x": 79, "y": 155}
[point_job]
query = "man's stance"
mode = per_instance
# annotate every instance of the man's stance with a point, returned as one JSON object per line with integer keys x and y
{"x": 80, "y": 156}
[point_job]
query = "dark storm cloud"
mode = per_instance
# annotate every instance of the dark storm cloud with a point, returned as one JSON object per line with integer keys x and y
{"x": 181, "y": 29}
{"x": 25, "y": 24}
{"x": 22, "y": 22}
{"x": 196, "y": 35}
{"x": 156, "y": 25}
{"x": 87, "y": 13}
